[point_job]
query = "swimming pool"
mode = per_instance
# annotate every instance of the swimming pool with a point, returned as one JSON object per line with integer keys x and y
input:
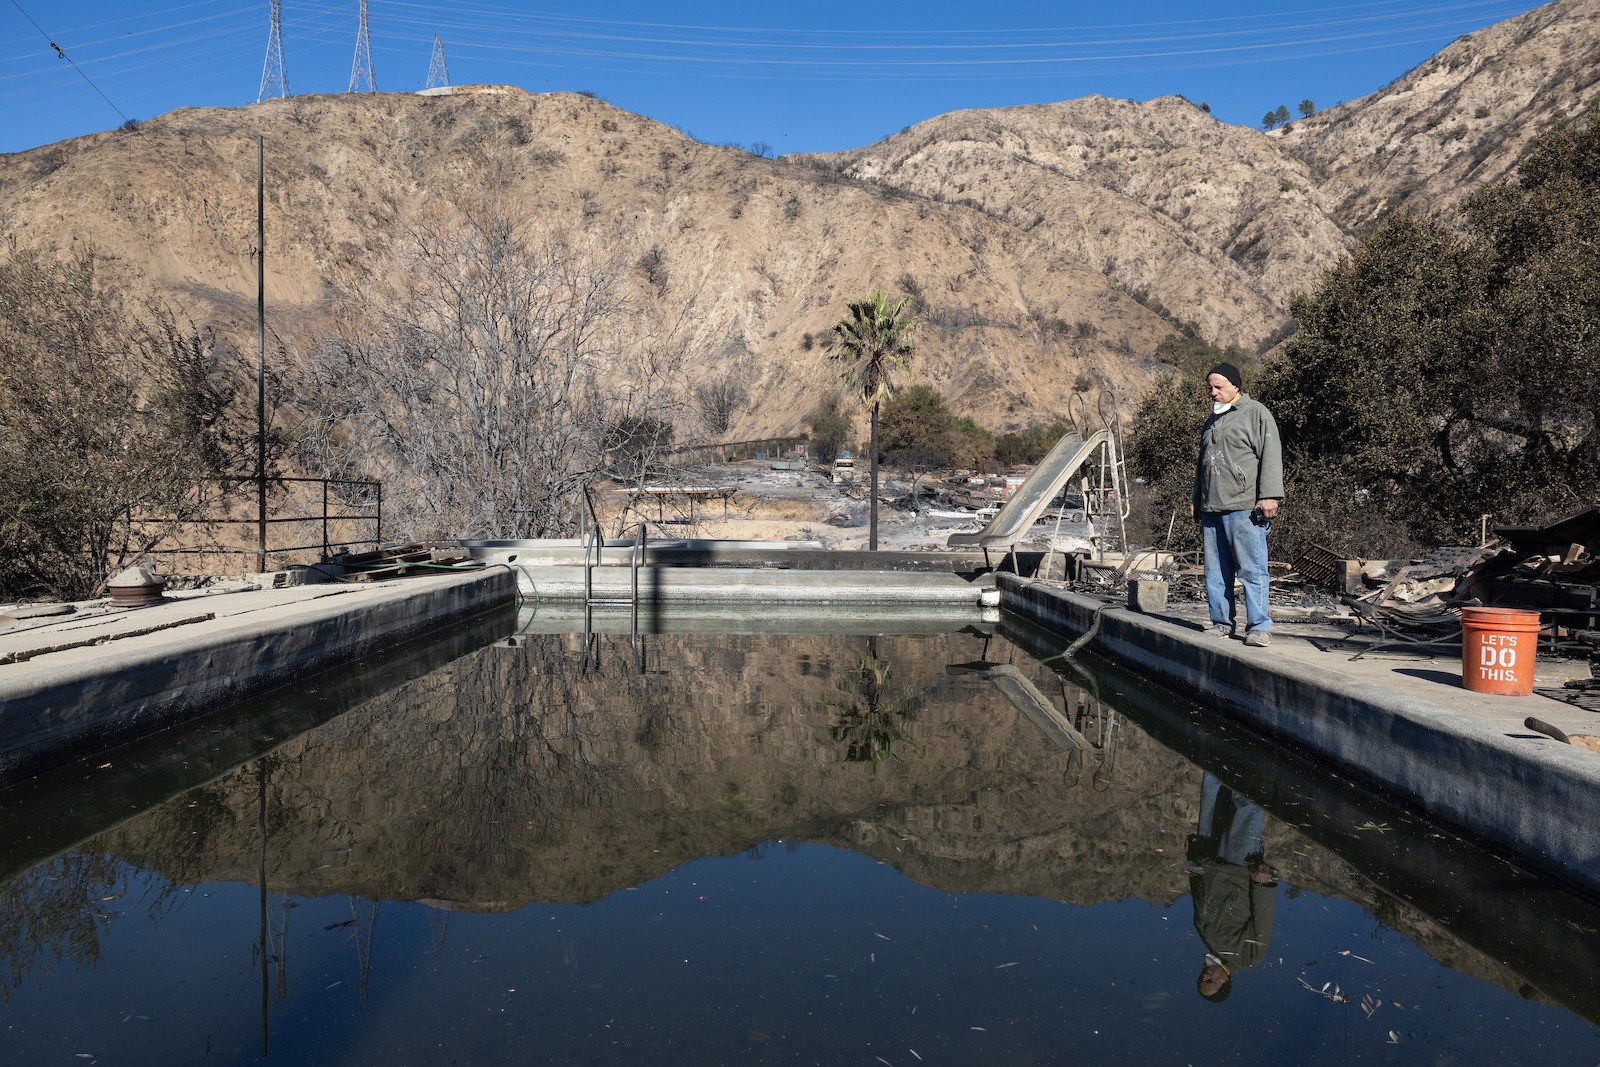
{"x": 781, "y": 848}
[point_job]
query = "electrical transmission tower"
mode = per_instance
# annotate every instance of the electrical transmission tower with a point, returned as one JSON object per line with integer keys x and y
{"x": 361, "y": 69}
{"x": 438, "y": 73}
{"x": 273, "y": 74}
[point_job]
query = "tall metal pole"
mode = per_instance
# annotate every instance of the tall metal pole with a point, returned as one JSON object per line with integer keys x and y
{"x": 261, "y": 359}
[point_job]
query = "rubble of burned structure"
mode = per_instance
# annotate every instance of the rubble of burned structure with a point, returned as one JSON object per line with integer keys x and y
{"x": 1552, "y": 569}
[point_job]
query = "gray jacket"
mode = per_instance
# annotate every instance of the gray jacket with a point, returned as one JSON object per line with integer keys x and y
{"x": 1241, "y": 459}
{"x": 1232, "y": 914}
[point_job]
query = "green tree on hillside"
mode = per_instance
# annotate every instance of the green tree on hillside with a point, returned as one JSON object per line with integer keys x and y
{"x": 1029, "y": 446}
{"x": 1193, "y": 357}
{"x": 1307, "y": 108}
{"x": 970, "y": 443}
{"x": 1269, "y": 120}
{"x": 918, "y": 419}
{"x": 873, "y": 342}
{"x": 830, "y": 429}
{"x": 1448, "y": 369}
{"x": 1282, "y": 114}
{"x": 917, "y": 429}
{"x": 1452, "y": 369}
{"x": 914, "y": 421}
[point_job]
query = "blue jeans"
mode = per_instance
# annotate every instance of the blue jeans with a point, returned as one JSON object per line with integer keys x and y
{"x": 1236, "y": 544}
{"x": 1239, "y": 838}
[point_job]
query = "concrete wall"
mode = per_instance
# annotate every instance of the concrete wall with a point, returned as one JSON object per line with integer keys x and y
{"x": 77, "y": 703}
{"x": 662, "y": 586}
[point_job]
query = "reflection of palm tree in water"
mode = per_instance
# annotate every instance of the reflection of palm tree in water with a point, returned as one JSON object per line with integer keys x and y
{"x": 871, "y": 719}
{"x": 1232, "y": 886}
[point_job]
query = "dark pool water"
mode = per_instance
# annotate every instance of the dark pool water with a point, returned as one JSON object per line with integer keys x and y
{"x": 745, "y": 848}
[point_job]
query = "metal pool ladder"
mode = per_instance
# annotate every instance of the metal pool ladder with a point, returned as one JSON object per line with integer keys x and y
{"x": 593, "y": 552}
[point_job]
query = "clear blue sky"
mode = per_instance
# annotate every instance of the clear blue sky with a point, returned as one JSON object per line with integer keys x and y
{"x": 819, "y": 76}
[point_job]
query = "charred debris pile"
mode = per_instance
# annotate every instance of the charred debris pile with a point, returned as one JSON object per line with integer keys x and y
{"x": 1553, "y": 569}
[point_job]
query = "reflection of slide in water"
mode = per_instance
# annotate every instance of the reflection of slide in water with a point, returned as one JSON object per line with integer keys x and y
{"x": 1026, "y": 698}
{"x": 1032, "y": 497}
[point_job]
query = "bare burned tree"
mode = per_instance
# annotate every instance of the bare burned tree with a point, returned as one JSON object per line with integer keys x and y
{"x": 640, "y": 409}
{"x": 483, "y": 370}
{"x": 112, "y": 418}
{"x": 718, "y": 400}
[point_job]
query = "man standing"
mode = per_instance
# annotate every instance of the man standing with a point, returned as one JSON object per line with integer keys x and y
{"x": 1238, "y": 484}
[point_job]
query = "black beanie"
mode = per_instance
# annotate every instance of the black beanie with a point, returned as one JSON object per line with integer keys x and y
{"x": 1228, "y": 371}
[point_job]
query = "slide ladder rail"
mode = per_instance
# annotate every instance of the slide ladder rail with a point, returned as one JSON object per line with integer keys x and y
{"x": 1112, "y": 496}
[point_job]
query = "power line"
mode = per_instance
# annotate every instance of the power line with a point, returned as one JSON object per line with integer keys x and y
{"x": 79, "y": 69}
{"x": 688, "y": 50}
{"x": 499, "y": 32}
{"x": 965, "y": 39}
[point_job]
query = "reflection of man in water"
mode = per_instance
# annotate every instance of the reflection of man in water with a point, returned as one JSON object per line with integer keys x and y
{"x": 1232, "y": 887}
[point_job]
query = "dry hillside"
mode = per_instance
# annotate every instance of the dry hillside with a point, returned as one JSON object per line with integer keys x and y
{"x": 1050, "y": 246}
{"x": 1222, "y": 224}
{"x": 1209, "y": 219}
{"x": 1457, "y": 122}
{"x": 760, "y": 253}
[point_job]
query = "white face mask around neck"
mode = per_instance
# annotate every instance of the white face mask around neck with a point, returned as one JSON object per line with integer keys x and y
{"x": 1218, "y": 407}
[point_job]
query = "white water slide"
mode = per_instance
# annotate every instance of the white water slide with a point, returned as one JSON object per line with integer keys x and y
{"x": 1030, "y": 500}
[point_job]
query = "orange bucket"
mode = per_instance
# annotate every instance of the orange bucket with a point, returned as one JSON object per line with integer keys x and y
{"x": 1498, "y": 646}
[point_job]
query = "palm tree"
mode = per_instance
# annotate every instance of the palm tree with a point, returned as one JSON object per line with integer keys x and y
{"x": 872, "y": 718}
{"x": 872, "y": 342}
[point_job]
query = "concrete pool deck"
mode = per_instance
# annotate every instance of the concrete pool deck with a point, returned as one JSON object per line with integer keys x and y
{"x": 77, "y": 683}
{"x": 1395, "y": 720}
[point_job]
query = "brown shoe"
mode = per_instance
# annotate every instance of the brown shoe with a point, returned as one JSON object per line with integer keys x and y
{"x": 1258, "y": 638}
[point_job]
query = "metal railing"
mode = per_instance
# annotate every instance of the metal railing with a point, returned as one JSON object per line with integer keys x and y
{"x": 375, "y": 516}
{"x": 738, "y": 449}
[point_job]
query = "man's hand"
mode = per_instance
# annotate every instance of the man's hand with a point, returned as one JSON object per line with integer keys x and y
{"x": 1268, "y": 506}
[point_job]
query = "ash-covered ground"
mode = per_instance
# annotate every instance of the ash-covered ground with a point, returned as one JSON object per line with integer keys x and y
{"x": 775, "y": 505}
